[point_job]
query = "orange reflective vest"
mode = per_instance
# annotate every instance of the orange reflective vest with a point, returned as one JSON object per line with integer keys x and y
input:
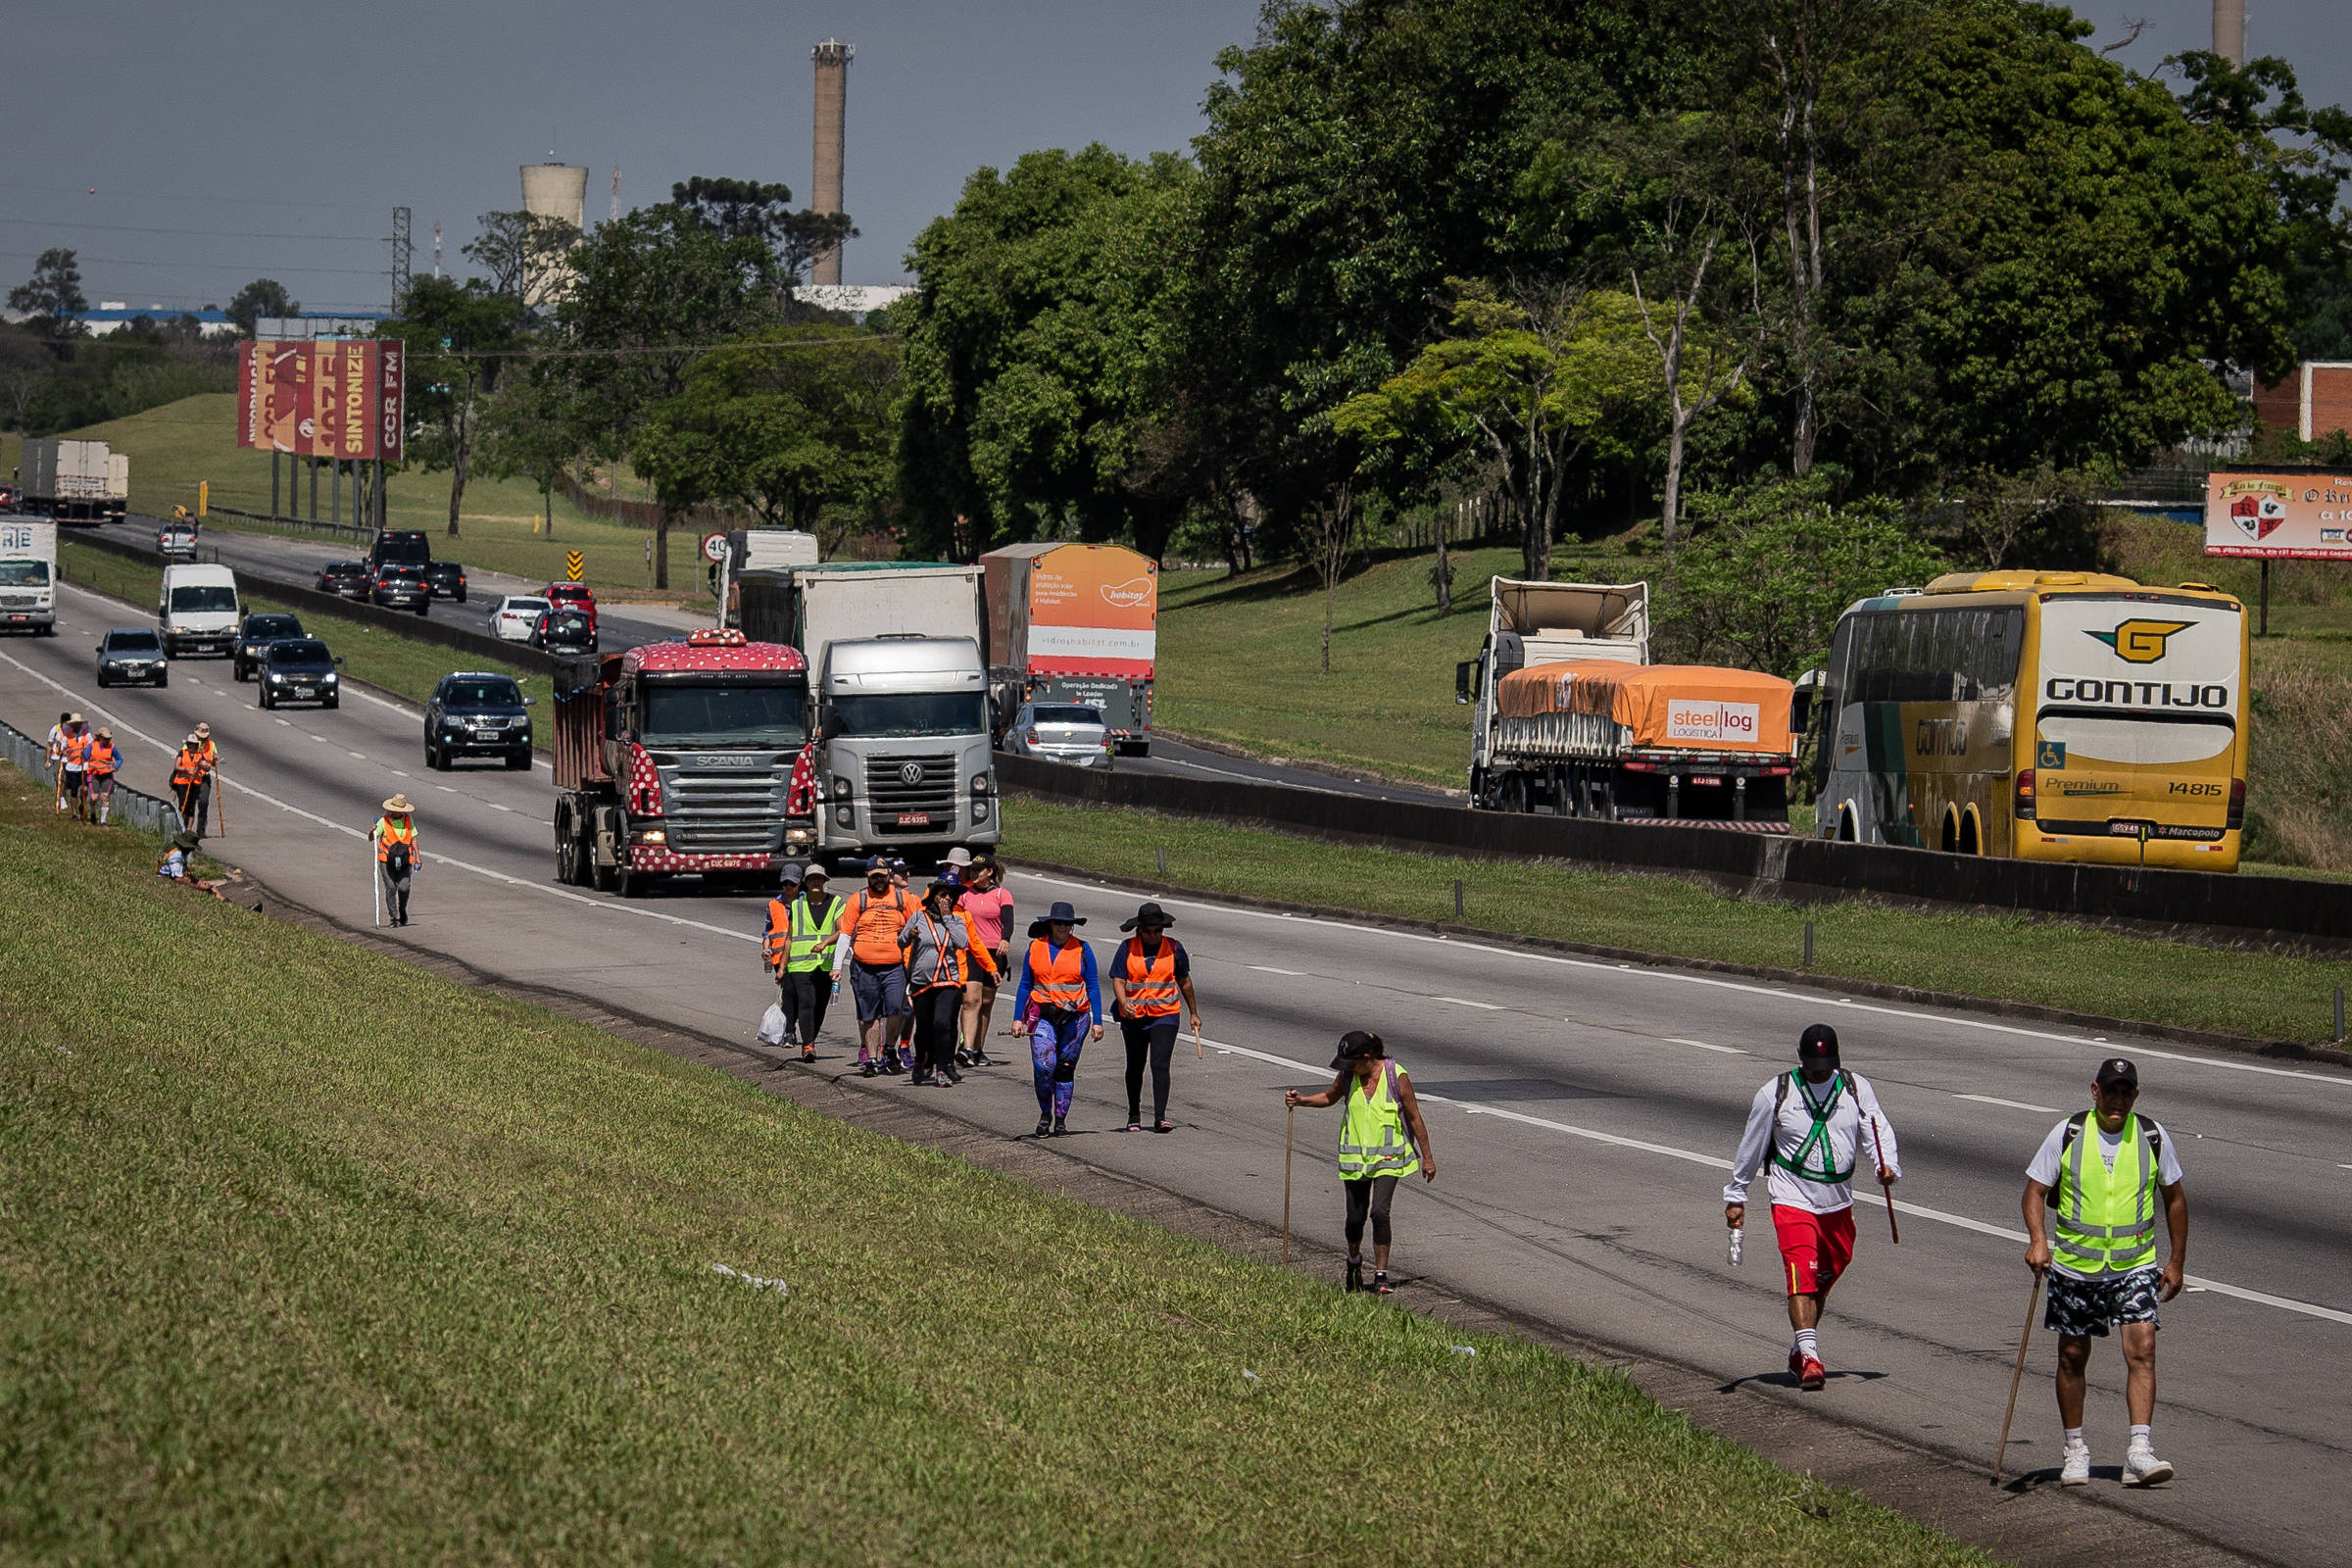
{"x": 210, "y": 756}
{"x": 187, "y": 768}
{"x": 1058, "y": 979}
{"x": 772, "y": 947}
{"x": 876, "y": 924}
{"x": 1151, "y": 981}
{"x": 393, "y": 830}
{"x": 975, "y": 954}
{"x": 104, "y": 758}
{"x": 78, "y": 750}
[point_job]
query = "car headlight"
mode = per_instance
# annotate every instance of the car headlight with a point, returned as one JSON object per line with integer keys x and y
{"x": 278, "y": 676}
{"x": 330, "y": 678}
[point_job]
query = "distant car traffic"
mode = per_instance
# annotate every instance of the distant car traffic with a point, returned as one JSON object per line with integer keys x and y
{"x": 346, "y": 579}
{"x": 560, "y": 629}
{"x": 472, "y": 713}
{"x": 401, "y": 587}
{"x": 300, "y": 669}
{"x": 576, "y": 595}
{"x": 408, "y": 546}
{"x": 131, "y": 655}
{"x": 1059, "y": 732}
{"x": 176, "y": 539}
{"x": 515, "y": 617}
{"x": 257, "y": 633}
{"x": 447, "y": 579}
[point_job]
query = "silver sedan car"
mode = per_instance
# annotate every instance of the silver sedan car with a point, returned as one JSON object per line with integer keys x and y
{"x": 1059, "y": 732}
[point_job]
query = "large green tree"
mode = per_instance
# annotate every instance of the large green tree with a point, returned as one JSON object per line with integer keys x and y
{"x": 52, "y": 298}
{"x": 459, "y": 336}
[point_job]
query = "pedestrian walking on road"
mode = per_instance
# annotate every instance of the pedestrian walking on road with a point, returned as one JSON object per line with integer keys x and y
{"x": 74, "y": 766}
{"x": 868, "y": 951}
{"x": 2107, "y": 1169}
{"x": 208, "y": 758}
{"x": 396, "y": 855}
{"x": 1811, "y": 1124}
{"x": 1057, "y": 976}
{"x": 1150, "y": 976}
{"x": 105, "y": 763}
{"x": 1382, "y": 1140}
{"x": 901, "y": 1046}
{"x": 940, "y": 955}
{"x": 988, "y": 906}
{"x": 187, "y": 778}
{"x": 803, "y": 920}
{"x": 56, "y": 756}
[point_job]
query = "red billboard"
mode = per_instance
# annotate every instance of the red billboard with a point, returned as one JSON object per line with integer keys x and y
{"x": 323, "y": 398}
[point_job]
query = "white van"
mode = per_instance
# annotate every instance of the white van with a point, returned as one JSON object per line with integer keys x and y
{"x": 197, "y": 611}
{"x": 28, "y": 576}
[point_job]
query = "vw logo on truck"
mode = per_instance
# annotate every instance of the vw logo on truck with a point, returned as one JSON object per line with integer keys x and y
{"x": 910, "y": 773}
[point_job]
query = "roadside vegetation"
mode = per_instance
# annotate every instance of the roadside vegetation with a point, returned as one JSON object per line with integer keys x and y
{"x": 2005, "y": 957}
{"x": 314, "y": 1255}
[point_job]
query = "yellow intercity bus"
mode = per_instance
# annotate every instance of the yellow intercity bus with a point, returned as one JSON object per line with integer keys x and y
{"x": 2045, "y": 715}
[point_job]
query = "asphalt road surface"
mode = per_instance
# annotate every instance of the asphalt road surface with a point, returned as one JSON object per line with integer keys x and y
{"x": 1582, "y": 1112}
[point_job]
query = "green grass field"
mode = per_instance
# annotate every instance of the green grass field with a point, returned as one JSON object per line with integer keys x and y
{"x": 2008, "y": 957}
{"x": 309, "y": 1256}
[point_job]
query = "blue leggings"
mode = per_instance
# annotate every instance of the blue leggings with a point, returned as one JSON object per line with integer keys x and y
{"x": 1053, "y": 1058}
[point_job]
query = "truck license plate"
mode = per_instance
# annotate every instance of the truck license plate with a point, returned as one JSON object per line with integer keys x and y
{"x": 915, "y": 819}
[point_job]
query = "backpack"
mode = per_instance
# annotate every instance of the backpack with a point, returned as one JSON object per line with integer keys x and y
{"x": 396, "y": 861}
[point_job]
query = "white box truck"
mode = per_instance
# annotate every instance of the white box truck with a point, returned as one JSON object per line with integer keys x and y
{"x": 29, "y": 576}
{"x": 75, "y": 481}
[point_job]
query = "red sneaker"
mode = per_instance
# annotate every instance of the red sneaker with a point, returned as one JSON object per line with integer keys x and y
{"x": 1812, "y": 1376}
{"x": 1796, "y": 1364}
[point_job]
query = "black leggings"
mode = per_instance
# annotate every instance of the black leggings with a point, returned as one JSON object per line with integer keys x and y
{"x": 937, "y": 1013}
{"x": 1372, "y": 1194}
{"x": 1155, "y": 1038}
{"x": 805, "y": 995}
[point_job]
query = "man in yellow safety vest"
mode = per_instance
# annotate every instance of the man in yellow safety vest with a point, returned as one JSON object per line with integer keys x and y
{"x": 803, "y": 921}
{"x": 2091, "y": 1202}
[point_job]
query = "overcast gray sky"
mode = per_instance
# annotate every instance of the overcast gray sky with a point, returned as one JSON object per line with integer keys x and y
{"x": 228, "y": 139}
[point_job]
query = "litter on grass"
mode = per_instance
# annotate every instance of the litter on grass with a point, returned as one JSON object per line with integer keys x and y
{"x": 753, "y": 1280}
{"x": 1252, "y": 1375}
{"x": 1463, "y": 1350}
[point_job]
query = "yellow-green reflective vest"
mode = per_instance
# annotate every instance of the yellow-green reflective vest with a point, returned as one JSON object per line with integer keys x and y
{"x": 1373, "y": 1140}
{"x": 2106, "y": 1220}
{"x": 811, "y": 943}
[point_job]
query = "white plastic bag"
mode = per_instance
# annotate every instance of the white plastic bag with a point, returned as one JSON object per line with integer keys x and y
{"x": 771, "y": 1025}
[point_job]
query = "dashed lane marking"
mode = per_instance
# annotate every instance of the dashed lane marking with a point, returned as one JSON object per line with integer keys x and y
{"x": 2013, "y": 1104}
{"x": 1729, "y": 1050}
{"x": 1464, "y": 1002}
{"x": 362, "y": 756}
{"x": 1265, "y": 968}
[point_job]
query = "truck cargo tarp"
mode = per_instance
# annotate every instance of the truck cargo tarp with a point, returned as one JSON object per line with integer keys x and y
{"x": 1674, "y": 707}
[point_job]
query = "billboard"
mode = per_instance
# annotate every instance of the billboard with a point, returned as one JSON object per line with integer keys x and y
{"x": 1093, "y": 610}
{"x": 2289, "y": 514}
{"x": 331, "y": 398}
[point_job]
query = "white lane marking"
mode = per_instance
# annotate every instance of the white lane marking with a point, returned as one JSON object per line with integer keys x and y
{"x": 495, "y": 807}
{"x": 320, "y": 739}
{"x": 614, "y": 906}
{"x": 1729, "y": 1050}
{"x": 362, "y": 756}
{"x": 397, "y": 773}
{"x": 289, "y": 723}
{"x": 1716, "y": 1162}
{"x": 1464, "y": 1002}
{"x": 1263, "y": 968}
{"x": 2013, "y": 1104}
{"x": 445, "y": 789}
{"x": 1681, "y": 977}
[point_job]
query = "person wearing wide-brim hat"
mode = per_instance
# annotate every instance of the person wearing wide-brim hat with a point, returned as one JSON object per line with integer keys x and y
{"x": 1059, "y": 975}
{"x": 1151, "y": 978}
{"x": 1381, "y": 1139}
{"x": 396, "y": 853}
{"x": 176, "y": 867}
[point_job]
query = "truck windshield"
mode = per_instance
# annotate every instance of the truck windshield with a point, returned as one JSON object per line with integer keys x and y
{"x": 734, "y": 714}
{"x": 900, "y": 713}
{"x": 202, "y": 598}
{"x": 23, "y": 574}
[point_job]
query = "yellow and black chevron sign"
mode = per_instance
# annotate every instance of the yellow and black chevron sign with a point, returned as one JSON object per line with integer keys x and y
{"x": 571, "y": 567}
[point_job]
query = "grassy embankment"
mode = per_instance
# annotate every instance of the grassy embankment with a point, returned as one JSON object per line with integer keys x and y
{"x": 174, "y": 447}
{"x": 377, "y": 657}
{"x": 2009, "y": 958}
{"x": 312, "y": 1254}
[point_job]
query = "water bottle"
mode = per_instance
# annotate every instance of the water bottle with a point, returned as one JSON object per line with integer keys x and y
{"x": 1732, "y": 1253}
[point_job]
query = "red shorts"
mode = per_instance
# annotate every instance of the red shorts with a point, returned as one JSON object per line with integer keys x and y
{"x": 1816, "y": 1248}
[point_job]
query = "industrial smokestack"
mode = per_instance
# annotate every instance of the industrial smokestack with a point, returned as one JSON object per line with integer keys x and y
{"x": 2230, "y": 30}
{"x": 832, "y": 59}
{"x": 552, "y": 190}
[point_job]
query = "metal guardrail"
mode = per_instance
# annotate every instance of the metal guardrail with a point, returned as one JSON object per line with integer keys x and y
{"x": 132, "y": 808}
{"x": 360, "y": 532}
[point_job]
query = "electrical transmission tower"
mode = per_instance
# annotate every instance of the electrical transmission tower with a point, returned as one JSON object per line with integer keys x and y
{"x": 401, "y": 251}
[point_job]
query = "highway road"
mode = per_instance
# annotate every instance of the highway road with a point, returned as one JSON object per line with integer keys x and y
{"x": 1583, "y": 1113}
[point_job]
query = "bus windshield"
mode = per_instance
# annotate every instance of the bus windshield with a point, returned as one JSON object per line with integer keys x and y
{"x": 687, "y": 712}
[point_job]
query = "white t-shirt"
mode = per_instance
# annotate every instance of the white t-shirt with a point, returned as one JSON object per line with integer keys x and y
{"x": 174, "y": 866}
{"x": 2045, "y": 1169}
{"x": 1846, "y": 1135}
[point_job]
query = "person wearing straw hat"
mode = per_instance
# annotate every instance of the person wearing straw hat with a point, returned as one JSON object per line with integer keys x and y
{"x": 1382, "y": 1140}
{"x": 207, "y": 757}
{"x": 187, "y": 776}
{"x": 396, "y": 853}
{"x": 73, "y": 764}
{"x": 104, "y": 763}
{"x": 1058, "y": 974}
{"x": 1151, "y": 977}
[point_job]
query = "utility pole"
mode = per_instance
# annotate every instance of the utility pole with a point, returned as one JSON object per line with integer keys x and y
{"x": 402, "y": 252}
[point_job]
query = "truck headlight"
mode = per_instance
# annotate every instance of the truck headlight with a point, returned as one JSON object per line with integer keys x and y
{"x": 653, "y": 835}
{"x": 845, "y": 816}
{"x": 983, "y": 783}
{"x": 841, "y": 788}
{"x": 979, "y": 810}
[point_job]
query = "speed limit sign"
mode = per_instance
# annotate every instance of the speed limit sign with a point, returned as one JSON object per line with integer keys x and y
{"x": 715, "y": 547}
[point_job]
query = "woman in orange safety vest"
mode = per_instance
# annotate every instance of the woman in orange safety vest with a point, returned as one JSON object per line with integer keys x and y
{"x": 1058, "y": 974}
{"x": 396, "y": 856}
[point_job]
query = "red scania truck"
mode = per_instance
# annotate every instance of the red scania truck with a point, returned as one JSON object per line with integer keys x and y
{"x": 683, "y": 758}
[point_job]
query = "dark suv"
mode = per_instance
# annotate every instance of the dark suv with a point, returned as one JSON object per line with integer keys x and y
{"x": 346, "y": 579}
{"x": 399, "y": 587}
{"x": 299, "y": 669}
{"x": 407, "y": 546}
{"x": 132, "y": 654}
{"x": 472, "y": 713}
{"x": 445, "y": 578}
{"x": 256, "y": 634}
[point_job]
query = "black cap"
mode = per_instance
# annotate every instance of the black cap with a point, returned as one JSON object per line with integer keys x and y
{"x": 1356, "y": 1045}
{"x": 1819, "y": 1042}
{"x": 2116, "y": 1071}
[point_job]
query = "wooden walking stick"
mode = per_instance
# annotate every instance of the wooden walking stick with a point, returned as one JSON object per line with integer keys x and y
{"x": 1289, "y": 1116}
{"x": 1198, "y": 1053}
{"x": 2000, "y": 1456}
{"x": 221, "y": 801}
{"x": 1878, "y": 1153}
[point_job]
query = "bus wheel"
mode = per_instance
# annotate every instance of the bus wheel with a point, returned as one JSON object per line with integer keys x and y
{"x": 1972, "y": 841}
{"x": 1952, "y": 832}
{"x": 1847, "y": 832}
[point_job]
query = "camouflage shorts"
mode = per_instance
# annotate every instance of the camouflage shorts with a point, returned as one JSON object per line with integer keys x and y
{"x": 2080, "y": 1307}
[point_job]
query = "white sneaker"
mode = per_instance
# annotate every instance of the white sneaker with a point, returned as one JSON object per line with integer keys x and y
{"x": 2076, "y": 1472}
{"x": 2141, "y": 1467}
